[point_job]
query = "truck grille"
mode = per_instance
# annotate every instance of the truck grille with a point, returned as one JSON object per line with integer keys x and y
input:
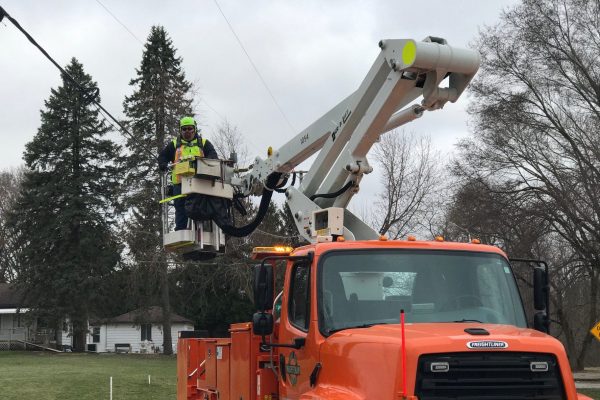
{"x": 489, "y": 376}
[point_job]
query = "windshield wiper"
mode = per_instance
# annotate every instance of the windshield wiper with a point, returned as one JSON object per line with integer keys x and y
{"x": 357, "y": 326}
{"x": 469, "y": 320}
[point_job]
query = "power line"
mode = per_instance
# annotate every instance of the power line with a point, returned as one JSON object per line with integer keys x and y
{"x": 212, "y": 109}
{"x": 88, "y": 93}
{"x": 119, "y": 21}
{"x": 278, "y": 236}
{"x": 142, "y": 43}
{"x": 255, "y": 68}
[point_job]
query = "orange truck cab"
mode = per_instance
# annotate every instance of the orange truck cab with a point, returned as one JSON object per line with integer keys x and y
{"x": 384, "y": 320}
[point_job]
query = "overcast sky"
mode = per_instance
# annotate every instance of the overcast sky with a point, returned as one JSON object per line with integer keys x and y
{"x": 312, "y": 54}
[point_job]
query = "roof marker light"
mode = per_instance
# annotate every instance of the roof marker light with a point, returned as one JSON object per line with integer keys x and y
{"x": 271, "y": 251}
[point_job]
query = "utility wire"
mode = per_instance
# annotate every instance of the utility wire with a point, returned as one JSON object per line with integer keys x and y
{"x": 277, "y": 236}
{"x": 89, "y": 94}
{"x": 255, "y": 68}
{"x": 213, "y": 110}
{"x": 119, "y": 21}
{"x": 142, "y": 43}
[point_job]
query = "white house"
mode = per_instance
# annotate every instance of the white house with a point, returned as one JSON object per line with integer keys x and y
{"x": 138, "y": 331}
{"x": 12, "y": 327}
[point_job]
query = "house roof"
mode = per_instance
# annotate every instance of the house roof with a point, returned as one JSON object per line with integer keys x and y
{"x": 148, "y": 315}
{"x": 9, "y": 296}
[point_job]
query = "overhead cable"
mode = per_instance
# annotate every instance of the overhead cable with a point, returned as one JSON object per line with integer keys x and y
{"x": 142, "y": 43}
{"x": 119, "y": 21}
{"x": 278, "y": 236}
{"x": 255, "y": 68}
{"x": 88, "y": 93}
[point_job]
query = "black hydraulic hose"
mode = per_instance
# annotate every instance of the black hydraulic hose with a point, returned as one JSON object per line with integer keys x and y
{"x": 246, "y": 230}
{"x": 282, "y": 184}
{"x": 334, "y": 194}
{"x": 279, "y": 188}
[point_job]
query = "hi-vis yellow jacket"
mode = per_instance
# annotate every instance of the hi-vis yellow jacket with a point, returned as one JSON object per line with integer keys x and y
{"x": 185, "y": 149}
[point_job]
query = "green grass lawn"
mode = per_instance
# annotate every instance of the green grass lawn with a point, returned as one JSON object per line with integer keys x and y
{"x": 593, "y": 393}
{"x": 68, "y": 376}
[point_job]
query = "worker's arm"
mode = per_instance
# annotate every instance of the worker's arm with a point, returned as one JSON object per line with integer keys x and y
{"x": 166, "y": 156}
{"x": 209, "y": 150}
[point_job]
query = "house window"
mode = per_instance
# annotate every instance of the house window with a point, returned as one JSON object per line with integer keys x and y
{"x": 96, "y": 334}
{"x": 147, "y": 332}
{"x": 17, "y": 323}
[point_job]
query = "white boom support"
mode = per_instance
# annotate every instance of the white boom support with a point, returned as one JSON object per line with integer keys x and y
{"x": 403, "y": 71}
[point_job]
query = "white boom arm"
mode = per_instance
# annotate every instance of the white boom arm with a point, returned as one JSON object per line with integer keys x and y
{"x": 403, "y": 71}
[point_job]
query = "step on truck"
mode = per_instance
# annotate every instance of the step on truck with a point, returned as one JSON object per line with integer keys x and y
{"x": 360, "y": 316}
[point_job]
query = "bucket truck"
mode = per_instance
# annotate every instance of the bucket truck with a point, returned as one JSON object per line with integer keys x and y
{"x": 360, "y": 316}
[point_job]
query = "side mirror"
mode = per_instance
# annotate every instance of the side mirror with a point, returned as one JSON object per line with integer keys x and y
{"x": 262, "y": 324}
{"x": 540, "y": 322}
{"x": 263, "y": 287}
{"x": 541, "y": 293}
{"x": 540, "y": 286}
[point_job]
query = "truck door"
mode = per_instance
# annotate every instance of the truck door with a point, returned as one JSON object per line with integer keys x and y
{"x": 296, "y": 365}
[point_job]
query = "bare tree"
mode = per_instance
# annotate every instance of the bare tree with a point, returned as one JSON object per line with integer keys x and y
{"x": 536, "y": 112}
{"x": 10, "y": 182}
{"x": 500, "y": 216}
{"x": 409, "y": 178}
{"x": 227, "y": 140}
{"x": 495, "y": 215}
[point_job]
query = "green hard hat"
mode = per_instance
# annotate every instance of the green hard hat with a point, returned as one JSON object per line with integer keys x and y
{"x": 186, "y": 121}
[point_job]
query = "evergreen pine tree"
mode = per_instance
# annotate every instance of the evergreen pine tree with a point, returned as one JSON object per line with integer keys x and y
{"x": 62, "y": 217}
{"x": 161, "y": 97}
{"x": 10, "y": 182}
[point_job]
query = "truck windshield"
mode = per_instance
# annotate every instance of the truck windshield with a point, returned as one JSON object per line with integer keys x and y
{"x": 369, "y": 287}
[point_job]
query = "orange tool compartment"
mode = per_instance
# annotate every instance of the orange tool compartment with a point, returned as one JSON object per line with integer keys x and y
{"x": 189, "y": 360}
{"x": 223, "y": 369}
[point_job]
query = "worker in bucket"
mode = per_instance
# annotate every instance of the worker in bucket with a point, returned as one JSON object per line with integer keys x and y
{"x": 188, "y": 143}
